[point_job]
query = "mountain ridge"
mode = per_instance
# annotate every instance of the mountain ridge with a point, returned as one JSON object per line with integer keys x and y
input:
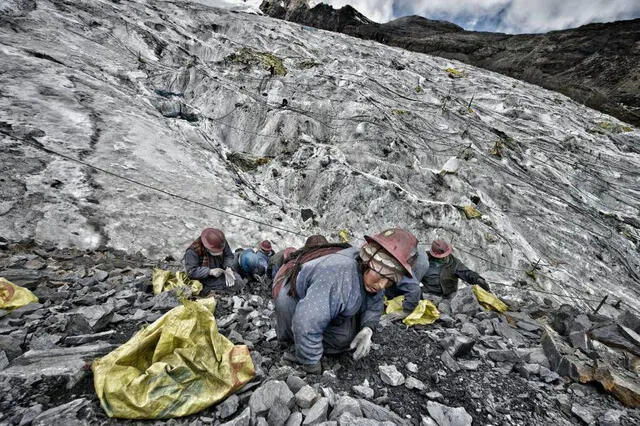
{"x": 596, "y": 64}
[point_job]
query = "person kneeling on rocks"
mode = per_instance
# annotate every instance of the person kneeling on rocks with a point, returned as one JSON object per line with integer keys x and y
{"x": 335, "y": 302}
{"x": 249, "y": 264}
{"x": 441, "y": 277}
{"x": 209, "y": 260}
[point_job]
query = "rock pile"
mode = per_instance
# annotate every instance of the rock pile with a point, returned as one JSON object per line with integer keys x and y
{"x": 472, "y": 366}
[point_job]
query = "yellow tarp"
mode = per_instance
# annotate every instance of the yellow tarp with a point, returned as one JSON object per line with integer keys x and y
{"x": 488, "y": 300}
{"x": 13, "y": 296}
{"x": 177, "y": 366}
{"x": 425, "y": 313}
{"x": 168, "y": 280}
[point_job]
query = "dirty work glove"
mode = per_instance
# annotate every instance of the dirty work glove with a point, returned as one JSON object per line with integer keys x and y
{"x": 229, "y": 277}
{"x": 361, "y": 343}
{"x": 483, "y": 283}
{"x": 215, "y": 272}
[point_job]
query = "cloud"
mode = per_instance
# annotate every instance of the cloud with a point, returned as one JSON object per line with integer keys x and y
{"x": 511, "y": 16}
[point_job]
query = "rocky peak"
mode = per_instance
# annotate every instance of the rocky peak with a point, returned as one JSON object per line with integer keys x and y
{"x": 596, "y": 64}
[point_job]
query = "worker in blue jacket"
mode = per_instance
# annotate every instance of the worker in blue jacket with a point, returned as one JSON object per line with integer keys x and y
{"x": 335, "y": 302}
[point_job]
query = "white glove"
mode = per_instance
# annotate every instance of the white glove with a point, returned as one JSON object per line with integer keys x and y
{"x": 361, "y": 343}
{"x": 229, "y": 277}
{"x": 215, "y": 272}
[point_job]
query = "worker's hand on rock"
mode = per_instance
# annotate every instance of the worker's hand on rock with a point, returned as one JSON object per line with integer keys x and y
{"x": 361, "y": 343}
{"x": 312, "y": 368}
{"x": 216, "y": 272}
{"x": 483, "y": 283}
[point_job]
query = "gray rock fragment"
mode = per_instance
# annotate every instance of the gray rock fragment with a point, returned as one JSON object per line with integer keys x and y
{"x": 62, "y": 414}
{"x": 100, "y": 275}
{"x": 318, "y": 412}
{"x": 376, "y": 412}
{"x": 448, "y": 416}
{"x": 411, "y": 367}
{"x": 4, "y": 361}
{"x": 267, "y": 395}
{"x": 228, "y": 407}
{"x": 306, "y": 396}
{"x": 363, "y": 391}
{"x": 66, "y": 363}
{"x": 99, "y": 316}
{"x": 413, "y": 383}
{"x": 346, "y": 405}
{"x": 243, "y": 419}
{"x": 583, "y": 413}
{"x": 611, "y": 418}
{"x": 88, "y": 338}
{"x": 278, "y": 414}
{"x": 30, "y": 415}
{"x": 295, "y": 383}
{"x": 295, "y": 419}
{"x": 449, "y": 362}
{"x": 465, "y": 302}
{"x": 390, "y": 375}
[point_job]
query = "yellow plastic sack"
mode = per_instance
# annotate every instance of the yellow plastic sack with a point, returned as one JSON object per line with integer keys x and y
{"x": 167, "y": 280}
{"x": 425, "y": 313}
{"x": 488, "y": 300}
{"x": 177, "y": 366}
{"x": 13, "y": 296}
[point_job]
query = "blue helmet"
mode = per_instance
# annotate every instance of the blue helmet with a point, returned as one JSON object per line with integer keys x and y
{"x": 252, "y": 263}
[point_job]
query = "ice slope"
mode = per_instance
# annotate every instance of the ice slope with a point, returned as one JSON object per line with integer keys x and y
{"x": 355, "y": 131}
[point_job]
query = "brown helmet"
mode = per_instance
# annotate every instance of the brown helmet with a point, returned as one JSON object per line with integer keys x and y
{"x": 400, "y": 244}
{"x": 213, "y": 240}
{"x": 440, "y": 249}
{"x": 315, "y": 240}
{"x": 265, "y": 246}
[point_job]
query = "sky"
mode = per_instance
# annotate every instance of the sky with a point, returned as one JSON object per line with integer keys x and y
{"x": 507, "y": 16}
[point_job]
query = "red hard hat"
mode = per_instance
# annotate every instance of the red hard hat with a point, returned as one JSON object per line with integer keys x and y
{"x": 265, "y": 246}
{"x": 213, "y": 240}
{"x": 400, "y": 244}
{"x": 440, "y": 249}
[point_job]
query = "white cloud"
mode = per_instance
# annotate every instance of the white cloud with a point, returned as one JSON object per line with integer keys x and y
{"x": 512, "y": 16}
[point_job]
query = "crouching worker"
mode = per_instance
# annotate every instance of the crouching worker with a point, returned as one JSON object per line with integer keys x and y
{"x": 335, "y": 302}
{"x": 209, "y": 259}
{"x": 444, "y": 270}
{"x": 249, "y": 264}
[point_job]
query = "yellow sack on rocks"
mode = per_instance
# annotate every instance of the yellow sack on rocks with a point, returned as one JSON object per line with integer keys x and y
{"x": 425, "y": 313}
{"x": 13, "y": 296}
{"x": 167, "y": 280}
{"x": 177, "y": 366}
{"x": 488, "y": 300}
